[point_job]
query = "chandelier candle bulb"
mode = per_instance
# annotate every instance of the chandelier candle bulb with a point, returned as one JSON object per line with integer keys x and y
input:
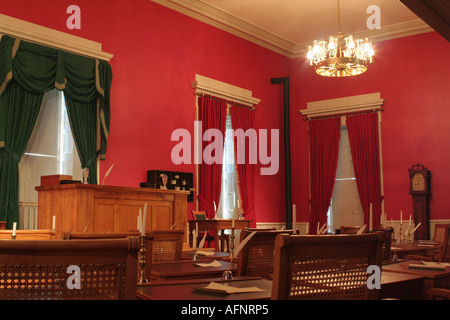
{"x": 332, "y": 61}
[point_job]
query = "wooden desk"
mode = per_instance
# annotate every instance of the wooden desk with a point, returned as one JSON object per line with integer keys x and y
{"x": 28, "y": 234}
{"x": 393, "y": 285}
{"x": 433, "y": 279}
{"x": 95, "y": 208}
{"x": 402, "y": 286}
{"x": 189, "y": 255}
{"x": 415, "y": 247}
{"x": 184, "y": 290}
{"x": 217, "y": 225}
{"x": 188, "y": 270}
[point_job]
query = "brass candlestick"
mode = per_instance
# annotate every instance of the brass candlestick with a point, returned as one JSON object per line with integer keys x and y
{"x": 401, "y": 233}
{"x": 409, "y": 234}
{"x": 142, "y": 262}
{"x": 227, "y": 275}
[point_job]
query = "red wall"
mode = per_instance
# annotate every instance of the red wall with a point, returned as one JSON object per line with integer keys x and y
{"x": 157, "y": 53}
{"x": 412, "y": 75}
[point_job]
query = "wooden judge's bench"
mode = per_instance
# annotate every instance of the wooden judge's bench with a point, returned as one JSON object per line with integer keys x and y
{"x": 81, "y": 207}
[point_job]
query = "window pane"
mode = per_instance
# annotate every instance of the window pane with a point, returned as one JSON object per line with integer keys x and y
{"x": 229, "y": 194}
{"x": 345, "y": 209}
{"x": 51, "y": 149}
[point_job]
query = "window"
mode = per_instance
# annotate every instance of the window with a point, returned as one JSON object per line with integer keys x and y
{"x": 51, "y": 149}
{"x": 345, "y": 208}
{"x": 229, "y": 193}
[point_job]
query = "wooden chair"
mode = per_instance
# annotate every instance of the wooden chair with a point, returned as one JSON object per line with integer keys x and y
{"x": 349, "y": 229}
{"x": 444, "y": 254}
{"x": 201, "y": 215}
{"x": 28, "y": 234}
{"x": 41, "y": 269}
{"x": 331, "y": 267}
{"x": 388, "y": 233}
{"x": 117, "y": 235}
{"x": 256, "y": 258}
{"x": 437, "y": 294}
{"x": 167, "y": 245}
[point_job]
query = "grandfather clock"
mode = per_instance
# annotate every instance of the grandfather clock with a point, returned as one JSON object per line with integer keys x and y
{"x": 419, "y": 188}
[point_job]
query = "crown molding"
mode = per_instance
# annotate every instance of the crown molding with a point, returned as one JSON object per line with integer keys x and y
{"x": 52, "y": 38}
{"x": 224, "y": 21}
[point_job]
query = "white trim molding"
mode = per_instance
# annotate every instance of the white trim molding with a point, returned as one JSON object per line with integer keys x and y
{"x": 205, "y": 85}
{"x": 51, "y": 38}
{"x": 364, "y": 102}
{"x": 215, "y": 17}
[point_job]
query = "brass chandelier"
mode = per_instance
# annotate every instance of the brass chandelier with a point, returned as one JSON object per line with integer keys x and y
{"x": 331, "y": 60}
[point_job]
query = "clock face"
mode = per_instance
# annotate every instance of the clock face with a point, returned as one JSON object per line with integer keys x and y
{"x": 418, "y": 182}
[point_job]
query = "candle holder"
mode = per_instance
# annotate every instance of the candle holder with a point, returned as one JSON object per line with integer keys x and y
{"x": 13, "y": 236}
{"x": 400, "y": 231}
{"x": 227, "y": 275}
{"x": 142, "y": 262}
{"x": 409, "y": 234}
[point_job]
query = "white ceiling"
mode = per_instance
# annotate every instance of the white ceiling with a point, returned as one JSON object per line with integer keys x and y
{"x": 289, "y": 26}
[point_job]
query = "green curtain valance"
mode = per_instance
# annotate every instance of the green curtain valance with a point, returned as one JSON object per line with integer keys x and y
{"x": 27, "y": 72}
{"x": 39, "y": 69}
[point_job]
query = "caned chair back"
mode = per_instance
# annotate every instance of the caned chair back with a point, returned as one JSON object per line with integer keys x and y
{"x": 199, "y": 215}
{"x": 256, "y": 258}
{"x": 167, "y": 245}
{"x": 47, "y": 270}
{"x": 331, "y": 267}
{"x": 117, "y": 235}
{"x": 444, "y": 254}
{"x": 388, "y": 232}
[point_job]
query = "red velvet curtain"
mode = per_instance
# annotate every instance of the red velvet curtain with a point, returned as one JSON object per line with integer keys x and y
{"x": 324, "y": 136}
{"x": 364, "y": 145}
{"x": 242, "y": 118}
{"x": 212, "y": 114}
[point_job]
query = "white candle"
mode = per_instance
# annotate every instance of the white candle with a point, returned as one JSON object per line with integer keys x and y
{"x": 318, "y": 227}
{"x": 232, "y": 221}
{"x": 140, "y": 220}
{"x": 144, "y": 221}
{"x": 416, "y": 227}
{"x": 401, "y": 217}
{"x": 54, "y": 223}
{"x": 409, "y": 225}
{"x": 294, "y": 218}
{"x": 195, "y": 235}
{"x": 370, "y": 217}
{"x": 239, "y": 210}
{"x": 14, "y": 229}
{"x": 215, "y": 208}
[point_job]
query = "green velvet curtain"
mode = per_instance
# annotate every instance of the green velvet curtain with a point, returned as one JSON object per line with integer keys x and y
{"x": 27, "y": 71}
